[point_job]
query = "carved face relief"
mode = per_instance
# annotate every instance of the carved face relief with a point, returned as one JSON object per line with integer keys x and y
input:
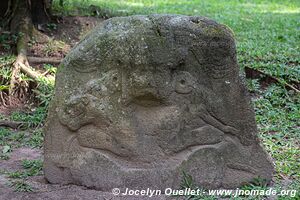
{"x": 147, "y": 109}
{"x": 144, "y": 97}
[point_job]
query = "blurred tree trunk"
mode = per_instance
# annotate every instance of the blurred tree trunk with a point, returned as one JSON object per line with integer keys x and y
{"x": 3, "y": 8}
{"x": 12, "y": 11}
{"x": 21, "y": 16}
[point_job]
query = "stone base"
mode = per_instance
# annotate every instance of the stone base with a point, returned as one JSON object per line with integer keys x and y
{"x": 211, "y": 167}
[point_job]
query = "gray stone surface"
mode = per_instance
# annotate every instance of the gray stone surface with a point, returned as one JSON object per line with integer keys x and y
{"x": 143, "y": 98}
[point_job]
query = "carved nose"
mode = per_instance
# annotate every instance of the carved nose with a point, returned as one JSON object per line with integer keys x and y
{"x": 139, "y": 85}
{"x": 143, "y": 81}
{"x": 143, "y": 84}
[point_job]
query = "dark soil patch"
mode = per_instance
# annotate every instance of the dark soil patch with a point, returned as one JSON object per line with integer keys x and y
{"x": 56, "y": 39}
{"x": 71, "y": 29}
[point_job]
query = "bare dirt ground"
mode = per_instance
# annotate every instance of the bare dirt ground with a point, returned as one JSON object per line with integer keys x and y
{"x": 44, "y": 190}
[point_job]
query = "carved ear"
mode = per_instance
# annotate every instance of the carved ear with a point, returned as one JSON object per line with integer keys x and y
{"x": 73, "y": 114}
{"x": 184, "y": 82}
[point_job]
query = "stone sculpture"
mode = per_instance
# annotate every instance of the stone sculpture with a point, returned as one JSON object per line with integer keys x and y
{"x": 143, "y": 98}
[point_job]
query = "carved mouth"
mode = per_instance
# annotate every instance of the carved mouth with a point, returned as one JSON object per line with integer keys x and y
{"x": 147, "y": 99}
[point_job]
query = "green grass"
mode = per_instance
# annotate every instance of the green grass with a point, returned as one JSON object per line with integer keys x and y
{"x": 31, "y": 168}
{"x": 33, "y": 139}
{"x": 21, "y": 186}
{"x": 258, "y": 190}
{"x": 19, "y": 178}
{"x": 32, "y": 118}
{"x": 278, "y": 114}
{"x": 31, "y": 134}
{"x": 10, "y": 140}
{"x": 5, "y": 71}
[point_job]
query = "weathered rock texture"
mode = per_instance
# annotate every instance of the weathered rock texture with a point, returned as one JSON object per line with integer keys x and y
{"x": 143, "y": 98}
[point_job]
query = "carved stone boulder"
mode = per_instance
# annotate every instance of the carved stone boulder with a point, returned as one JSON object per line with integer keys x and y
{"x": 144, "y": 98}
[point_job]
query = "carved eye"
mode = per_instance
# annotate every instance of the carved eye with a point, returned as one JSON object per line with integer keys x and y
{"x": 184, "y": 82}
{"x": 115, "y": 79}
